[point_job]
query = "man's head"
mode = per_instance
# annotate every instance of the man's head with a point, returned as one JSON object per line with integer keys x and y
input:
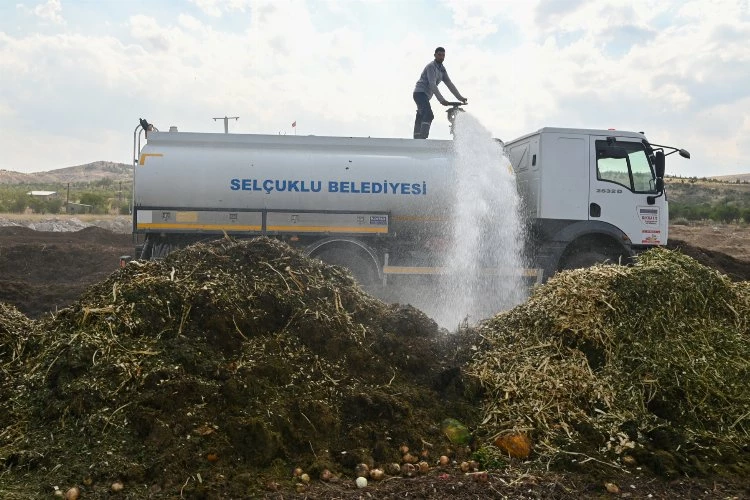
{"x": 439, "y": 54}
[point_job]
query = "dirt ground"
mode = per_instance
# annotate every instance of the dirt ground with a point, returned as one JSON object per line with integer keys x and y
{"x": 732, "y": 240}
{"x": 42, "y": 272}
{"x": 721, "y": 246}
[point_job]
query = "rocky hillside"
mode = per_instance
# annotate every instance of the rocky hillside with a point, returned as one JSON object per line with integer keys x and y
{"x": 89, "y": 172}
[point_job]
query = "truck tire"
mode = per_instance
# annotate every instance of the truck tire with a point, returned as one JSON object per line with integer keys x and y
{"x": 586, "y": 258}
{"x": 358, "y": 265}
{"x": 156, "y": 248}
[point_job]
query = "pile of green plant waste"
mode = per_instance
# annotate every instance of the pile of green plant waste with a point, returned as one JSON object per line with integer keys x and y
{"x": 645, "y": 364}
{"x": 17, "y": 345}
{"x": 219, "y": 367}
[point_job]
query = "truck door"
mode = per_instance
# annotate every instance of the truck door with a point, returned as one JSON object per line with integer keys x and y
{"x": 622, "y": 178}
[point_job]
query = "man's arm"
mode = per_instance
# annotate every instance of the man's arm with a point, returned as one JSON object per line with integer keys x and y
{"x": 432, "y": 74}
{"x": 453, "y": 88}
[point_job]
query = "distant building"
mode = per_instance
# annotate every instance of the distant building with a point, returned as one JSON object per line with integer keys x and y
{"x": 42, "y": 194}
{"x": 78, "y": 208}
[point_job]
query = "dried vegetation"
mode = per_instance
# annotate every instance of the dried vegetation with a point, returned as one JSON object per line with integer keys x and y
{"x": 612, "y": 362}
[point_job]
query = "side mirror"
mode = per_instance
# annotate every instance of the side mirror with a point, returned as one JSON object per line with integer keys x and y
{"x": 659, "y": 185}
{"x": 659, "y": 164}
{"x": 684, "y": 154}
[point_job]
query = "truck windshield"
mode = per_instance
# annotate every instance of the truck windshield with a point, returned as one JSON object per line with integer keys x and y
{"x": 625, "y": 164}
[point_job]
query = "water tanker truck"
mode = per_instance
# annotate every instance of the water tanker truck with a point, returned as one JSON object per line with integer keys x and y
{"x": 382, "y": 207}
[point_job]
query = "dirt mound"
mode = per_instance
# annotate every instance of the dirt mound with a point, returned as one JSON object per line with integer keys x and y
{"x": 87, "y": 234}
{"x": 44, "y": 271}
{"x": 736, "y": 269}
{"x": 626, "y": 365}
{"x": 234, "y": 361}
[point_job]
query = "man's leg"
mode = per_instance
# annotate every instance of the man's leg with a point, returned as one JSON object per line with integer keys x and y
{"x": 424, "y": 131}
{"x": 424, "y": 116}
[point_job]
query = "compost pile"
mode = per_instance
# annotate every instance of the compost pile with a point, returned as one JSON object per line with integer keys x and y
{"x": 216, "y": 370}
{"x": 642, "y": 365}
{"x": 222, "y": 368}
{"x": 16, "y": 341}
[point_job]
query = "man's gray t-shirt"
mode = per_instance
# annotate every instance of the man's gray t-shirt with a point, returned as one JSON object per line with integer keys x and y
{"x": 431, "y": 76}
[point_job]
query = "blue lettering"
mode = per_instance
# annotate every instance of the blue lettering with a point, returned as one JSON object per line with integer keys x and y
{"x": 364, "y": 187}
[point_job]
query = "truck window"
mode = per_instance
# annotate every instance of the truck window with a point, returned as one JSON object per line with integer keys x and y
{"x": 632, "y": 171}
{"x": 519, "y": 156}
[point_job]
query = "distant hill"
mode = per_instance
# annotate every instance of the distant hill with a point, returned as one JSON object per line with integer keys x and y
{"x": 732, "y": 178}
{"x": 89, "y": 172}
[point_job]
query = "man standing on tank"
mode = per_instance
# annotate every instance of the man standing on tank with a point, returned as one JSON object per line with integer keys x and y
{"x": 432, "y": 75}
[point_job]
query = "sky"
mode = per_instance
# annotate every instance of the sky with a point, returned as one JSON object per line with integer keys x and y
{"x": 76, "y": 75}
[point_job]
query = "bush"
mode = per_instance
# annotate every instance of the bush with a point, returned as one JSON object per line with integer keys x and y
{"x": 19, "y": 203}
{"x": 97, "y": 201}
{"x": 726, "y": 213}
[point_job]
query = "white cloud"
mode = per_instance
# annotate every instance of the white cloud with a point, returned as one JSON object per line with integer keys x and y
{"x": 216, "y": 8}
{"x": 50, "y": 11}
{"x": 682, "y": 73}
{"x": 6, "y": 111}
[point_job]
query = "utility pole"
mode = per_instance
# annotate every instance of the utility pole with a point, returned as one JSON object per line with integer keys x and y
{"x": 226, "y": 122}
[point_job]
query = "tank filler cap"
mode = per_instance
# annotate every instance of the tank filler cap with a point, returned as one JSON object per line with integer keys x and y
{"x": 173, "y": 128}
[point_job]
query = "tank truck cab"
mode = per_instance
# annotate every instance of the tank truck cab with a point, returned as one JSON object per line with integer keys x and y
{"x": 591, "y": 196}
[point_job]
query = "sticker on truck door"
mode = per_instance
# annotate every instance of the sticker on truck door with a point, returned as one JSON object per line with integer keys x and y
{"x": 651, "y": 237}
{"x": 649, "y": 215}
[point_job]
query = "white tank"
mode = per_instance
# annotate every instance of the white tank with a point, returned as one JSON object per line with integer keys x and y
{"x": 409, "y": 179}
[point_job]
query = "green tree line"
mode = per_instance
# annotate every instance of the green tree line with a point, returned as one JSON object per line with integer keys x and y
{"x": 718, "y": 212}
{"x": 103, "y": 196}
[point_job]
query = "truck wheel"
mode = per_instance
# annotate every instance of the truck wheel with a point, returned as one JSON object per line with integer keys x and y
{"x": 156, "y": 248}
{"x": 586, "y": 258}
{"x": 362, "y": 270}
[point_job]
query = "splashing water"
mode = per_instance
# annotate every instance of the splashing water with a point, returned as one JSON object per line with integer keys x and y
{"x": 486, "y": 254}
